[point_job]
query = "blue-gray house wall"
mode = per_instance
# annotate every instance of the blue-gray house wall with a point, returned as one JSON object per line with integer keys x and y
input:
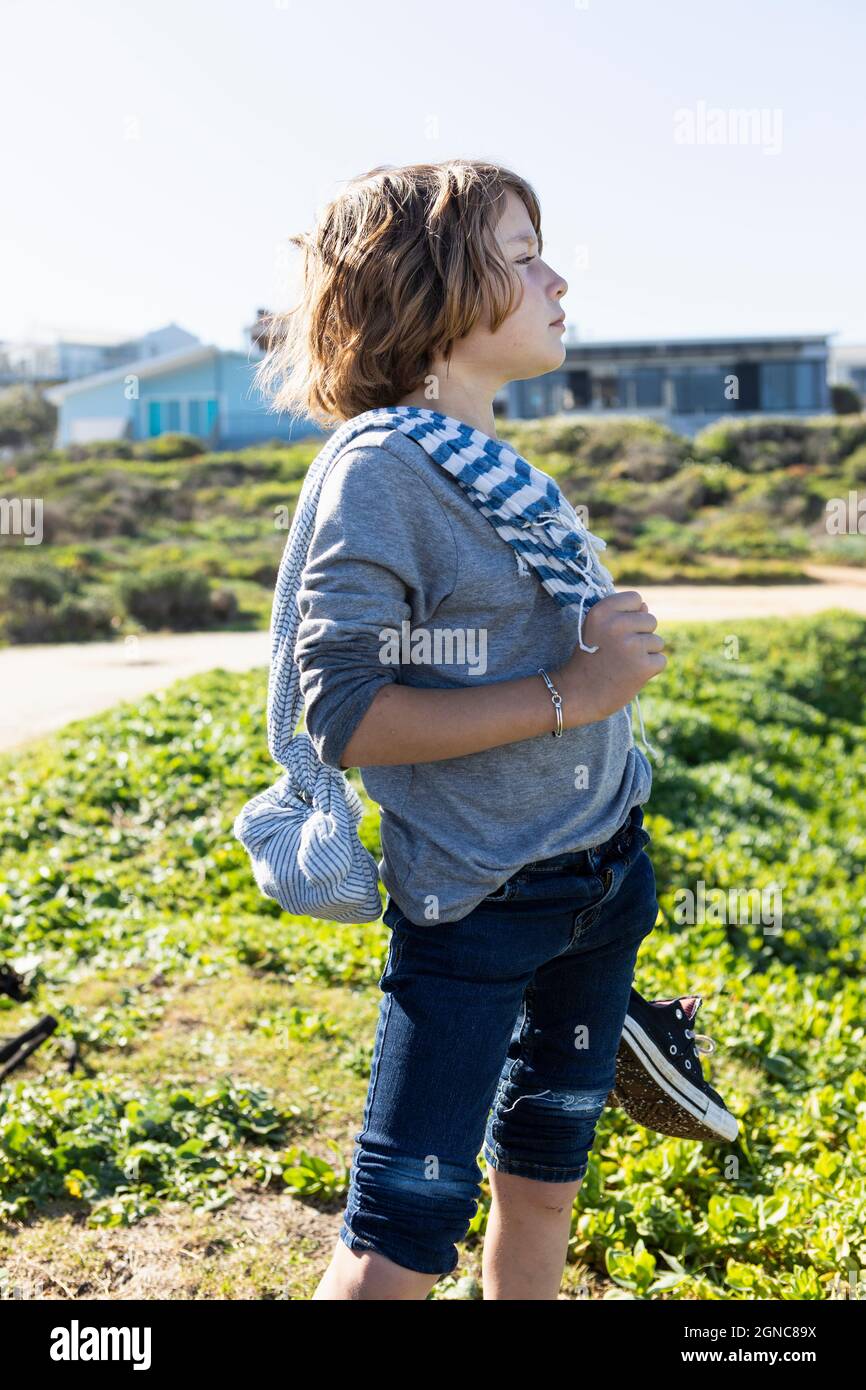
{"x": 105, "y": 407}
{"x": 214, "y": 398}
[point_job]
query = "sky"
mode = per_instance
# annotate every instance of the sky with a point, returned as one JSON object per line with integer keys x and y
{"x": 156, "y": 154}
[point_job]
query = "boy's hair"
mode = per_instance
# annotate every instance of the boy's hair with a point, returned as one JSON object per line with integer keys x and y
{"x": 398, "y": 266}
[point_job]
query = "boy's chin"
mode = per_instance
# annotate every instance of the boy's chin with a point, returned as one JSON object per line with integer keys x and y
{"x": 545, "y": 360}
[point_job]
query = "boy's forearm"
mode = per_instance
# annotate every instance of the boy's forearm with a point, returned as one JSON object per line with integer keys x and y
{"x": 407, "y": 724}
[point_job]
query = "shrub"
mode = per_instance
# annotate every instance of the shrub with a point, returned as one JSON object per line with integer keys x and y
{"x": 749, "y": 533}
{"x": 42, "y": 603}
{"x": 84, "y": 619}
{"x": 787, "y": 496}
{"x": 755, "y": 443}
{"x": 758, "y": 444}
{"x": 25, "y": 415}
{"x": 168, "y": 446}
{"x": 119, "y": 503}
{"x": 698, "y": 485}
{"x": 540, "y": 437}
{"x": 115, "y": 516}
{"x": 224, "y": 605}
{"x": 855, "y": 466}
{"x": 649, "y": 460}
{"x": 173, "y": 598}
{"x": 99, "y": 449}
{"x": 39, "y": 583}
{"x": 610, "y": 440}
{"x": 225, "y": 470}
{"x": 845, "y": 400}
{"x": 849, "y": 434}
{"x": 37, "y": 622}
{"x": 265, "y": 574}
{"x": 660, "y": 535}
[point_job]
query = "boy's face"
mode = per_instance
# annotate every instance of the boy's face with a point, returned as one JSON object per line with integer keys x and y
{"x": 528, "y": 343}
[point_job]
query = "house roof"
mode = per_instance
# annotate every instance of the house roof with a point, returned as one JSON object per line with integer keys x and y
{"x": 147, "y": 366}
{"x": 746, "y": 340}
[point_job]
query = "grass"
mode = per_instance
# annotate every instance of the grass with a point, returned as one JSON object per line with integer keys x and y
{"x": 199, "y": 1148}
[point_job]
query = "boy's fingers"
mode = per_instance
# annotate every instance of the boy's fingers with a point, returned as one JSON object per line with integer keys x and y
{"x": 626, "y": 599}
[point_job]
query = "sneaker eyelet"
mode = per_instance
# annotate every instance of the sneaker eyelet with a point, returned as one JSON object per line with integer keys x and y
{"x": 673, "y": 1051}
{"x": 688, "y": 1064}
{"x": 679, "y": 1014}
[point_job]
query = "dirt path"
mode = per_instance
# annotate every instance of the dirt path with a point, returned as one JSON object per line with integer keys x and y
{"x": 44, "y": 687}
{"x": 705, "y": 602}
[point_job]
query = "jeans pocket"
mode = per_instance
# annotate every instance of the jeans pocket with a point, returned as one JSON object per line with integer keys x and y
{"x": 611, "y": 877}
{"x": 504, "y": 893}
{"x": 395, "y": 946}
{"x": 392, "y": 916}
{"x": 392, "y": 960}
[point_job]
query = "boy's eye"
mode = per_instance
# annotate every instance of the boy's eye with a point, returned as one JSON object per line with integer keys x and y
{"x": 524, "y": 260}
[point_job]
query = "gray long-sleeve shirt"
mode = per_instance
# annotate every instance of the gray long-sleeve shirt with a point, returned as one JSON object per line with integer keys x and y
{"x": 406, "y": 581}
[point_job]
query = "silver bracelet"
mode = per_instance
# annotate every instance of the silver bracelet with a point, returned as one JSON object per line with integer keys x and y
{"x": 557, "y": 701}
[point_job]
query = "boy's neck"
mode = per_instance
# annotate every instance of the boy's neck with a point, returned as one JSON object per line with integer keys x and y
{"x": 471, "y": 409}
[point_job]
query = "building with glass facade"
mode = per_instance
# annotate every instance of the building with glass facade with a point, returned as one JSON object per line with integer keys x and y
{"x": 685, "y": 383}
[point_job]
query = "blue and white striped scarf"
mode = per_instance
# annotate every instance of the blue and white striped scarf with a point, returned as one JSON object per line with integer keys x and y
{"x": 302, "y": 833}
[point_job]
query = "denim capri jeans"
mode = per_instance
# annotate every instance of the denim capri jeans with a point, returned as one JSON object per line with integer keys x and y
{"x": 497, "y": 1035}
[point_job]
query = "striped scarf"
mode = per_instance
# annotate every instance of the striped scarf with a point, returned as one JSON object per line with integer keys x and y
{"x": 302, "y": 833}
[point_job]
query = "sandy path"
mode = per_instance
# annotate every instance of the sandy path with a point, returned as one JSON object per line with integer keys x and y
{"x": 704, "y": 602}
{"x": 45, "y": 686}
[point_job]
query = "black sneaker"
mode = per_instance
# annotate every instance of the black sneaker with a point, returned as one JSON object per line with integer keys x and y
{"x": 659, "y": 1082}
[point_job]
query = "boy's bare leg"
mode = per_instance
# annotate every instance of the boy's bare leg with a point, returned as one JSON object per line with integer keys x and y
{"x": 365, "y": 1274}
{"x": 526, "y": 1242}
{"x": 525, "y": 1249}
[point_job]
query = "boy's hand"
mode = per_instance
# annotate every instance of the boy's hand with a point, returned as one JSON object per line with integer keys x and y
{"x": 596, "y": 684}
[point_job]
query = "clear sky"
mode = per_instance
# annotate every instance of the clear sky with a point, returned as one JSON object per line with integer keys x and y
{"x": 158, "y": 152}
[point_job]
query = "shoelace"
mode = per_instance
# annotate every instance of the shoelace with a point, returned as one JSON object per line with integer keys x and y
{"x": 700, "y": 1037}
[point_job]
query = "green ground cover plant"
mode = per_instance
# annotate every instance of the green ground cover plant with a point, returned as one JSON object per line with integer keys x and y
{"x": 223, "y": 1047}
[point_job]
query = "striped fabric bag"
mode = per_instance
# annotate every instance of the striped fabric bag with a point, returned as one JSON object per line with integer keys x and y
{"x": 302, "y": 833}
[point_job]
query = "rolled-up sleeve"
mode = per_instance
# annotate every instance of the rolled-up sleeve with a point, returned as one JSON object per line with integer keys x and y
{"x": 382, "y": 553}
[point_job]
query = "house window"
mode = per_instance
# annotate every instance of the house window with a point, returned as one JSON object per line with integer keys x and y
{"x": 199, "y": 413}
{"x": 580, "y": 386}
{"x": 807, "y": 385}
{"x": 790, "y": 385}
{"x": 701, "y": 391}
{"x": 640, "y": 386}
{"x": 162, "y": 416}
{"x": 202, "y": 415}
{"x": 648, "y": 386}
